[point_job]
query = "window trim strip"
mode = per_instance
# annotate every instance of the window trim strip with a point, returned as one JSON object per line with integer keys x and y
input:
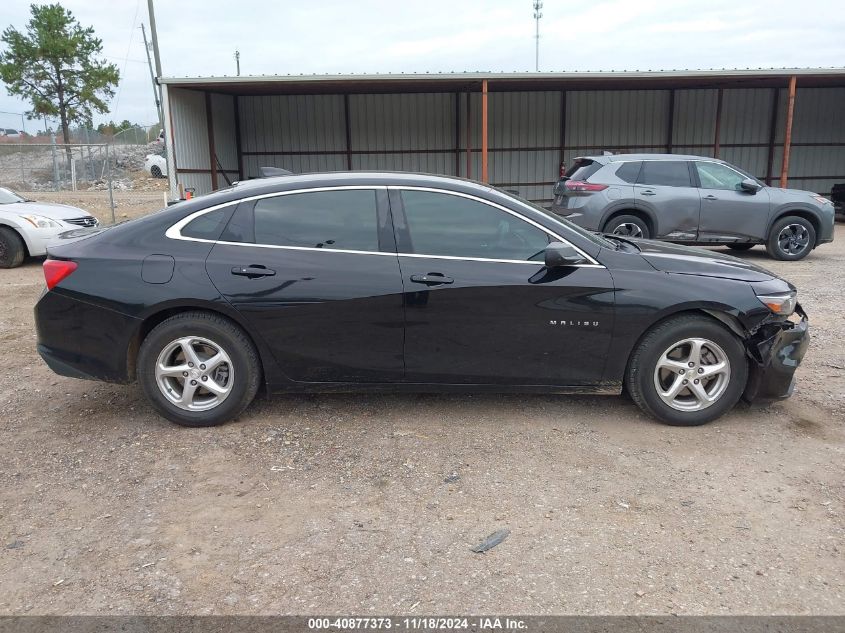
{"x": 175, "y": 231}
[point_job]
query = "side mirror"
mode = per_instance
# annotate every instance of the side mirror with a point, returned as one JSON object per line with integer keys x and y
{"x": 750, "y": 185}
{"x": 559, "y": 254}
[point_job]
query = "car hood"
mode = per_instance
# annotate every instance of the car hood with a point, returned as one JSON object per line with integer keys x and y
{"x": 684, "y": 260}
{"x": 47, "y": 209}
{"x": 779, "y": 195}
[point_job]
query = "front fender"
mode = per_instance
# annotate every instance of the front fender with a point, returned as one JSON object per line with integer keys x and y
{"x": 32, "y": 247}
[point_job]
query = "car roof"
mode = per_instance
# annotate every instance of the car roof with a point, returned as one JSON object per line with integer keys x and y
{"x": 334, "y": 178}
{"x": 618, "y": 158}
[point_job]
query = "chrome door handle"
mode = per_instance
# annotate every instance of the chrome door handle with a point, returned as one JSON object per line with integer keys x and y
{"x": 253, "y": 272}
{"x": 432, "y": 279}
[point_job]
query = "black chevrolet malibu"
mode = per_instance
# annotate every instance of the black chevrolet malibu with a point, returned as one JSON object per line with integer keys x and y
{"x": 405, "y": 282}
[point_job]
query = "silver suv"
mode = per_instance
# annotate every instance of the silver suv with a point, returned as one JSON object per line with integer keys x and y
{"x": 691, "y": 200}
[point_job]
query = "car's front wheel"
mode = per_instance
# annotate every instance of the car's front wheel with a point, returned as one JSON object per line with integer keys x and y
{"x": 155, "y": 172}
{"x": 687, "y": 371}
{"x": 628, "y": 226}
{"x": 791, "y": 238}
{"x": 12, "y": 248}
{"x": 198, "y": 369}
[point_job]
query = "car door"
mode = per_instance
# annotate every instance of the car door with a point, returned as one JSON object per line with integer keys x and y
{"x": 728, "y": 212}
{"x": 666, "y": 192}
{"x": 480, "y": 305}
{"x": 315, "y": 273}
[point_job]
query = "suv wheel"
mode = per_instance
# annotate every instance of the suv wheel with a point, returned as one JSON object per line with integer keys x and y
{"x": 12, "y": 248}
{"x": 198, "y": 369}
{"x": 687, "y": 371}
{"x": 155, "y": 172}
{"x": 628, "y": 226}
{"x": 791, "y": 238}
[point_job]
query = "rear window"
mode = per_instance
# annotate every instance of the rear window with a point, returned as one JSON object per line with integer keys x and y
{"x": 629, "y": 171}
{"x": 581, "y": 169}
{"x": 667, "y": 173}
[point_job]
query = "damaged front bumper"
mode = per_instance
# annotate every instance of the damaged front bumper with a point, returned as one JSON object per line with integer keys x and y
{"x": 776, "y": 350}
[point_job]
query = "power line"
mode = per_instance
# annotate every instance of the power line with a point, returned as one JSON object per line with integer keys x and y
{"x": 126, "y": 59}
{"x": 537, "y": 15}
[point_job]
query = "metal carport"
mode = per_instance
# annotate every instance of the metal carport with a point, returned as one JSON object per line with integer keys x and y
{"x": 511, "y": 129}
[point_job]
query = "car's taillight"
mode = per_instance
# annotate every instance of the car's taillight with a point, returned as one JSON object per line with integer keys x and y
{"x": 57, "y": 269}
{"x": 581, "y": 185}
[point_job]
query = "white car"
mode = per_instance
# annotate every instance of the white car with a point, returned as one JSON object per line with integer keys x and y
{"x": 156, "y": 165}
{"x": 26, "y": 227}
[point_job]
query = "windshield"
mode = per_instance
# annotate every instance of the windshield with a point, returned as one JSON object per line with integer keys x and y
{"x": 9, "y": 197}
{"x": 595, "y": 238}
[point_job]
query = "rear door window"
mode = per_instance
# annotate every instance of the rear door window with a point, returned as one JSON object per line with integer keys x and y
{"x": 332, "y": 220}
{"x": 666, "y": 173}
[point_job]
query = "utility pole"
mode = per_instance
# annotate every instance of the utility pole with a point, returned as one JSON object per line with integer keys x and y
{"x": 238, "y": 61}
{"x": 156, "y": 94}
{"x": 154, "y": 38}
{"x": 537, "y": 15}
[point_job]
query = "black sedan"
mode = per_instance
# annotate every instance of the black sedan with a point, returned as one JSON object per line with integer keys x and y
{"x": 405, "y": 282}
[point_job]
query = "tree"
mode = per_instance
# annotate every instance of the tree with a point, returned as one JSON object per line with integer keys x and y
{"x": 55, "y": 65}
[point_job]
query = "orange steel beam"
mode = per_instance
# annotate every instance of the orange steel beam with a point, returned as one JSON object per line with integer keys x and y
{"x": 484, "y": 177}
{"x": 787, "y": 137}
{"x": 469, "y": 136}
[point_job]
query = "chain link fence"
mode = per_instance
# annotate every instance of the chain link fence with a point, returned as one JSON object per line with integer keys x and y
{"x": 108, "y": 180}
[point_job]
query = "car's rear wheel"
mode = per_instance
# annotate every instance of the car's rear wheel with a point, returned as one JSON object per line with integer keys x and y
{"x": 687, "y": 371}
{"x": 628, "y": 226}
{"x": 198, "y": 369}
{"x": 791, "y": 238}
{"x": 12, "y": 248}
{"x": 740, "y": 247}
{"x": 155, "y": 171}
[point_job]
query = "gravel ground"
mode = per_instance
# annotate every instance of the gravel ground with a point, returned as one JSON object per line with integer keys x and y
{"x": 370, "y": 504}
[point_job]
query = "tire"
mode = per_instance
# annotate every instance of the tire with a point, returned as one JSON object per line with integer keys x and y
{"x": 155, "y": 172}
{"x": 719, "y": 343}
{"x": 628, "y": 226}
{"x": 791, "y": 238}
{"x": 236, "y": 378}
{"x": 12, "y": 248}
{"x": 740, "y": 247}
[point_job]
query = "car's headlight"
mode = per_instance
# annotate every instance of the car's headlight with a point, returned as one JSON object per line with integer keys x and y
{"x": 782, "y": 304}
{"x": 40, "y": 222}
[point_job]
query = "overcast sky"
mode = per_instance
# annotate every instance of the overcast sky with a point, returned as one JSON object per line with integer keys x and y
{"x": 199, "y": 37}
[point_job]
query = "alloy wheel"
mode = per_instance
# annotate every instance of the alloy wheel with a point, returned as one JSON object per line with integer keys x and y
{"x": 692, "y": 374}
{"x": 793, "y": 239}
{"x": 194, "y": 373}
{"x": 628, "y": 229}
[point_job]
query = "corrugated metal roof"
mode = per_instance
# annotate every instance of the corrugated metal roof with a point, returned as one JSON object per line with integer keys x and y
{"x": 501, "y": 81}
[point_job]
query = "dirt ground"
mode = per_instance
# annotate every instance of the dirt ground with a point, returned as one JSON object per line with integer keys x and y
{"x": 127, "y": 204}
{"x": 340, "y": 503}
